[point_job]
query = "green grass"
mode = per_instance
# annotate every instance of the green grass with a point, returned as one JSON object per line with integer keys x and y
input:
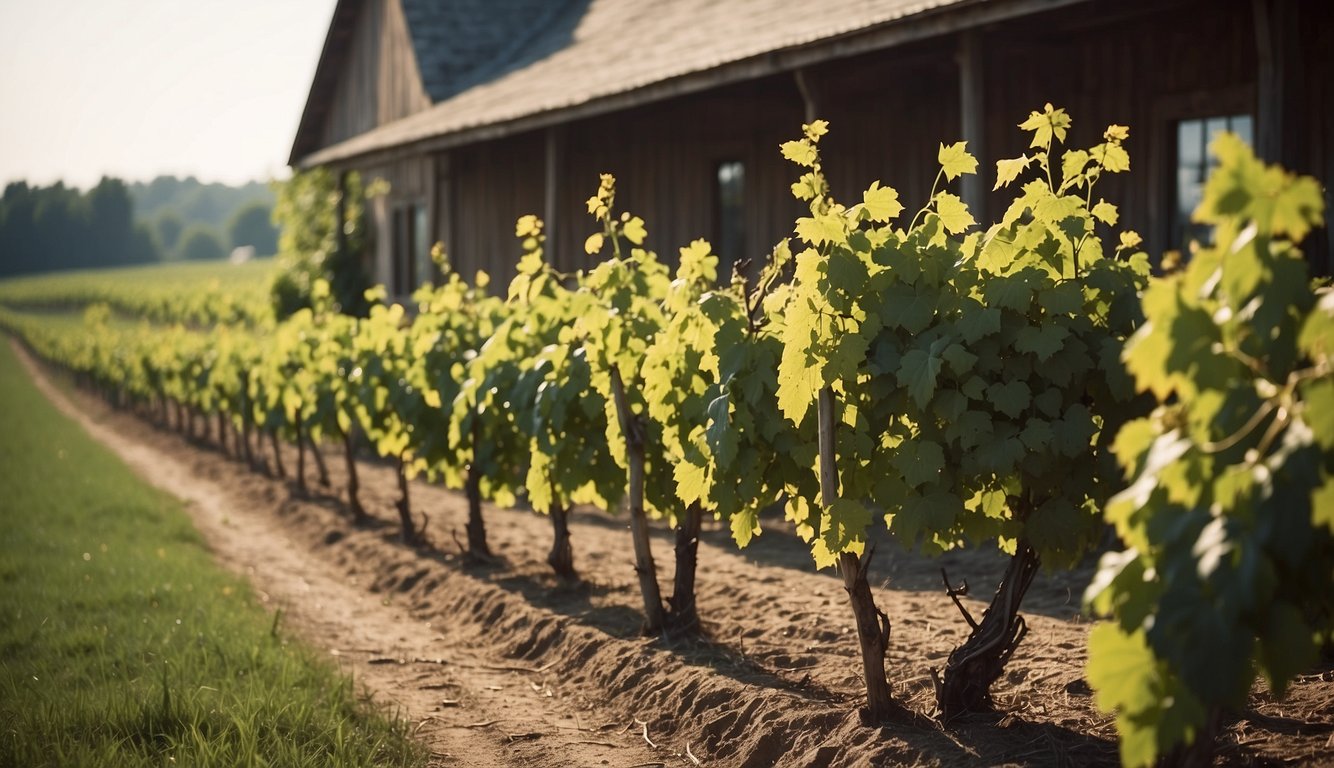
{"x": 122, "y": 643}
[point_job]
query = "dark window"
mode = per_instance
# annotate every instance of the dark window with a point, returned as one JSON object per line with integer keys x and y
{"x": 412, "y": 248}
{"x": 1193, "y": 166}
{"x": 731, "y": 219}
{"x": 424, "y": 271}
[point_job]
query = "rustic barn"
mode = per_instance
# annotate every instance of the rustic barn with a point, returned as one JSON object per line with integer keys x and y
{"x": 479, "y": 111}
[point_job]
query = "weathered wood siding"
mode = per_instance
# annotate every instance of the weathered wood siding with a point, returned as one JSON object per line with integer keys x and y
{"x": 490, "y": 186}
{"x": 380, "y": 81}
{"x": 1143, "y": 63}
{"x": 1146, "y": 65}
{"x": 408, "y": 182}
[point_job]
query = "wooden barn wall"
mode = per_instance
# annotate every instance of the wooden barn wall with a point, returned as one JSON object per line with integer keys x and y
{"x": 490, "y": 186}
{"x": 888, "y": 112}
{"x": 1145, "y": 64}
{"x": 886, "y": 117}
{"x": 379, "y": 82}
{"x": 1310, "y": 73}
{"x": 409, "y": 181}
{"x": 665, "y": 158}
{"x": 1142, "y": 64}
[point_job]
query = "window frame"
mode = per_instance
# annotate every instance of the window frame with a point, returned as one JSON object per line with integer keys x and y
{"x": 1167, "y": 112}
{"x": 728, "y": 261}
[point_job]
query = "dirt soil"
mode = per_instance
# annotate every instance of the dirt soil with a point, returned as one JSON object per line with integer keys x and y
{"x": 501, "y": 663}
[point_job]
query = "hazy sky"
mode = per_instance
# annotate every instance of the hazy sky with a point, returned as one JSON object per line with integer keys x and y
{"x": 138, "y": 88}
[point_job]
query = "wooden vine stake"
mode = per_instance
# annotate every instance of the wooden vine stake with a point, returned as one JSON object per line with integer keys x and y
{"x": 872, "y": 624}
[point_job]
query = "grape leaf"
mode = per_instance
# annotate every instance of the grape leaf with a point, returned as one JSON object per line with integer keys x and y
{"x": 1010, "y": 398}
{"x": 918, "y": 372}
{"x": 1008, "y": 170}
{"x": 955, "y": 161}
{"x": 919, "y": 461}
{"x": 881, "y": 203}
{"x": 953, "y": 213}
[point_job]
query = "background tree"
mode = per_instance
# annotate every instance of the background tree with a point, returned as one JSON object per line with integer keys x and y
{"x": 168, "y": 225}
{"x": 252, "y": 226}
{"x": 314, "y": 244}
{"x": 201, "y": 244}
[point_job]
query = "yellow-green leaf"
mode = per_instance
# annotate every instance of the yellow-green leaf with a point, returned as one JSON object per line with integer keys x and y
{"x": 955, "y": 161}
{"x": 953, "y": 213}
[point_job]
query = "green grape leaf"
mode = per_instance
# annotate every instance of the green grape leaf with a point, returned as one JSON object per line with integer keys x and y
{"x": 822, "y": 228}
{"x": 906, "y": 307}
{"x": 1041, "y": 340}
{"x": 1106, "y": 213}
{"x": 1112, "y": 157}
{"x": 634, "y": 230}
{"x": 1010, "y": 398}
{"x": 721, "y": 433}
{"x": 1063, "y": 298}
{"x": 918, "y": 372}
{"x": 1317, "y": 411}
{"x": 955, "y": 161}
{"x": 919, "y": 461}
{"x": 1119, "y": 670}
{"x": 881, "y": 203}
{"x": 978, "y": 322}
{"x": 961, "y": 360}
{"x": 1009, "y": 291}
{"x": 692, "y": 481}
{"x": 1009, "y": 170}
{"x": 807, "y": 187}
{"x": 970, "y": 429}
{"x": 845, "y": 522}
{"x": 1045, "y": 125}
{"x": 745, "y": 524}
{"x": 1322, "y": 505}
{"x": 798, "y": 382}
{"x": 801, "y": 152}
{"x": 953, "y": 213}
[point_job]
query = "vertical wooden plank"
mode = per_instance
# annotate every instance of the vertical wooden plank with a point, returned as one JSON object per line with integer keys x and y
{"x": 1269, "y": 82}
{"x": 971, "y": 116}
{"x": 551, "y": 189}
{"x": 442, "y": 208}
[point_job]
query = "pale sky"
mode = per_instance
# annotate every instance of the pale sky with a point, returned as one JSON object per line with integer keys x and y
{"x": 140, "y": 88}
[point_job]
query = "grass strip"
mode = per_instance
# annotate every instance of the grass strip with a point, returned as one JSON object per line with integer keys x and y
{"x": 122, "y": 643}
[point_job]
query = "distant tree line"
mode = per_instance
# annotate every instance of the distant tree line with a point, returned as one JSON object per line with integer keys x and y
{"x": 114, "y": 223}
{"x": 57, "y": 227}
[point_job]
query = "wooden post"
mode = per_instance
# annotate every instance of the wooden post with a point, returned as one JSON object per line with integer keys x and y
{"x": 342, "y": 213}
{"x": 443, "y": 213}
{"x": 972, "y": 187}
{"x": 554, "y": 140}
{"x": 1285, "y": 92}
{"x": 809, "y": 99}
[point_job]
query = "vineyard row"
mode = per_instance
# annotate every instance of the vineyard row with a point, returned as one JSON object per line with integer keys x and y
{"x": 1023, "y": 384}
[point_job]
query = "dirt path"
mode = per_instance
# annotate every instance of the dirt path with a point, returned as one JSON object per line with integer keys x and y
{"x": 469, "y": 707}
{"x": 560, "y": 675}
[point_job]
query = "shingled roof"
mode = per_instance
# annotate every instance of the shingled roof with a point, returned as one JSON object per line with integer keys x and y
{"x": 497, "y": 66}
{"x": 463, "y": 43}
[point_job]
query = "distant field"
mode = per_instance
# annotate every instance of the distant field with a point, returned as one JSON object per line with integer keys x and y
{"x": 194, "y": 292}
